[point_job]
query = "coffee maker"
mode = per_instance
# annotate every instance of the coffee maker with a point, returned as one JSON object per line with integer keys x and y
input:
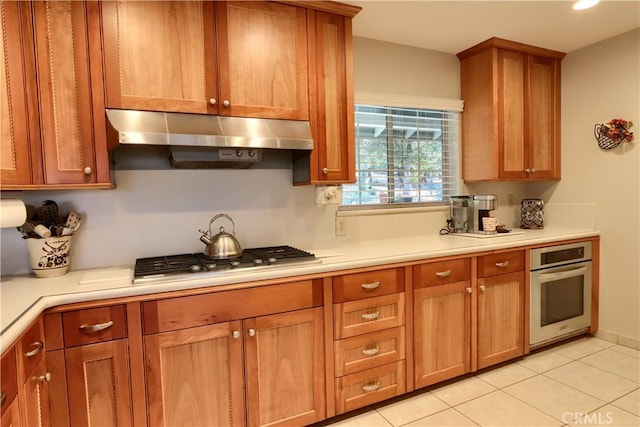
{"x": 466, "y": 213}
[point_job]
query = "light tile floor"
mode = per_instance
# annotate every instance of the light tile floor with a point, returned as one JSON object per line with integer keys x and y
{"x": 586, "y": 382}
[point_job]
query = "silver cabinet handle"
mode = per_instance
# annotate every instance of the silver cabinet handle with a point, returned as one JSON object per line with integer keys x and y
{"x": 3, "y": 398}
{"x": 533, "y": 170}
{"x": 252, "y": 332}
{"x": 44, "y": 378}
{"x": 503, "y": 264}
{"x": 97, "y": 327}
{"x": 325, "y": 171}
{"x": 87, "y": 170}
{"x": 37, "y": 348}
{"x": 370, "y": 286}
{"x": 235, "y": 334}
{"x": 371, "y": 386}
{"x": 482, "y": 288}
{"x": 469, "y": 290}
{"x": 226, "y": 103}
{"x": 370, "y": 316}
{"x": 212, "y": 101}
{"x": 445, "y": 273}
{"x": 527, "y": 170}
{"x": 371, "y": 351}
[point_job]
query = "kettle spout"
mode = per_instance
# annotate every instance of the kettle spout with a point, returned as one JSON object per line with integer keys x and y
{"x": 205, "y": 239}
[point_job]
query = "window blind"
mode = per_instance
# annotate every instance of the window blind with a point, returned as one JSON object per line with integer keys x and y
{"x": 404, "y": 155}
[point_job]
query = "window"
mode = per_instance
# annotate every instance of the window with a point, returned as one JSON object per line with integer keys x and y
{"x": 404, "y": 155}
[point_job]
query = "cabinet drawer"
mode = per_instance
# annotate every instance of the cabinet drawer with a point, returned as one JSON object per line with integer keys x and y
{"x": 367, "y": 351}
{"x": 171, "y": 314}
{"x": 30, "y": 350}
{"x": 94, "y": 325}
{"x": 368, "y": 315}
{"x": 350, "y": 287}
{"x": 440, "y": 273}
{"x": 507, "y": 262}
{"x": 8, "y": 379}
{"x": 370, "y": 386}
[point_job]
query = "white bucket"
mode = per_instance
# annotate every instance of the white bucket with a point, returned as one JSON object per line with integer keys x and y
{"x": 50, "y": 256}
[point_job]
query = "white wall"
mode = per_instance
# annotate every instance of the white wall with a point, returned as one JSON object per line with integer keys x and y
{"x": 599, "y": 83}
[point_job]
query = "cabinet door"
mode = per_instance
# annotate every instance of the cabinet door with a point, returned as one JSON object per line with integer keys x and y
{"x": 500, "y": 318}
{"x": 64, "y": 85}
{"x": 15, "y": 163}
{"x": 98, "y": 384}
{"x": 34, "y": 399}
{"x": 160, "y": 55}
{"x": 333, "y": 157}
{"x": 263, "y": 60}
{"x": 544, "y": 124}
{"x": 442, "y": 331}
{"x": 195, "y": 376}
{"x": 285, "y": 368}
{"x": 11, "y": 416}
{"x": 511, "y": 117}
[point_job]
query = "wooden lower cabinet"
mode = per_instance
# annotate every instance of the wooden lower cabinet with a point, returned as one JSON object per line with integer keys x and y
{"x": 370, "y": 386}
{"x": 442, "y": 330}
{"x": 34, "y": 397}
{"x": 11, "y": 415}
{"x": 198, "y": 375}
{"x": 500, "y": 318}
{"x": 98, "y": 384}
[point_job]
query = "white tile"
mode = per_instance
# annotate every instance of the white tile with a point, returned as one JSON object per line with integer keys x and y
{"x": 506, "y": 375}
{"x": 462, "y": 391}
{"x": 552, "y": 397}
{"x": 626, "y": 350}
{"x": 500, "y": 409}
{"x": 583, "y": 347}
{"x": 368, "y": 419}
{"x": 616, "y": 363}
{"x": 629, "y": 402}
{"x": 411, "y": 409}
{"x": 447, "y": 418}
{"x": 608, "y": 416}
{"x": 542, "y": 362}
{"x": 593, "y": 381}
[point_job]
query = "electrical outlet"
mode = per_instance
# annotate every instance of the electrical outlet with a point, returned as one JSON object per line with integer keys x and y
{"x": 510, "y": 199}
{"x": 341, "y": 226}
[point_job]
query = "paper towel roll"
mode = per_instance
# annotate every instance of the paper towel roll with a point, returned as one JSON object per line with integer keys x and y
{"x": 12, "y": 213}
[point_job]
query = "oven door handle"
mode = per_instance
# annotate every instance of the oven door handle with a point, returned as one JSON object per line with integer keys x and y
{"x": 548, "y": 277}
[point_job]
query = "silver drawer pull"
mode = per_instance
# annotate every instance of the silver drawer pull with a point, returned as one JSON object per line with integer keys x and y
{"x": 502, "y": 264}
{"x": 369, "y": 286}
{"x": 370, "y": 316}
{"x": 371, "y": 351}
{"x": 3, "y": 398}
{"x": 445, "y": 273}
{"x": 371, "y": 386}
{"x": 97, "y": 327}
{"x": 37, "y": 348}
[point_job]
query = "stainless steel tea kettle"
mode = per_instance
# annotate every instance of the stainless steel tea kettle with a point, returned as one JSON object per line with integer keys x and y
{"x": 222, "y": 245}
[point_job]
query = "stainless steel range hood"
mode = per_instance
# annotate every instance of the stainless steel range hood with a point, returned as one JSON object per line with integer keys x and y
{"x": 202, "y": 130}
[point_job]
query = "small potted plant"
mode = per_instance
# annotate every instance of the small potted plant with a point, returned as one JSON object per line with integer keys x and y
{"x": 609, "y": 135}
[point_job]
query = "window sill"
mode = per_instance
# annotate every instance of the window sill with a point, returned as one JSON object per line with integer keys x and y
{"x": 391, "y": 210}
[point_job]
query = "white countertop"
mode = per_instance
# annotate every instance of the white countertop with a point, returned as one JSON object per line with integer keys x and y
{"x": 23, "y": 298}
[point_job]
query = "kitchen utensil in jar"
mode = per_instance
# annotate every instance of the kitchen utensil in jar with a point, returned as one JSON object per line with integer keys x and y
{"x": 221, "y": 245}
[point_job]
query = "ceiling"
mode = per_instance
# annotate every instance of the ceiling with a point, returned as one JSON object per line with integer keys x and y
{"x": 454, "y": 25}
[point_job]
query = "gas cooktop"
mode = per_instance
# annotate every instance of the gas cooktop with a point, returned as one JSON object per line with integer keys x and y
{"x": 197, "y": 266}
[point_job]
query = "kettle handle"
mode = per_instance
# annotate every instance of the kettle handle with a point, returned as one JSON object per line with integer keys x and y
{"x": 222, "y": 216}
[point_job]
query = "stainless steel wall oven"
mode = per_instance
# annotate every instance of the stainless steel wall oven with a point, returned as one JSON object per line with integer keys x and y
{"x": 560, "y": 292}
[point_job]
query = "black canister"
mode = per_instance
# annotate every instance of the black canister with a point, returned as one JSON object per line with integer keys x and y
{"x": 532, "y": 213}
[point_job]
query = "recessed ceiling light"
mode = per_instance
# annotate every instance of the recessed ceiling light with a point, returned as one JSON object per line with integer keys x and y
{"x": 585, "y": 4}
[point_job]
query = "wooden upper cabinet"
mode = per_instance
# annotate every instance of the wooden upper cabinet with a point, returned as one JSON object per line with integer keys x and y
{"x": 331, "y": 97}
{"x": 49, "y": 97}
{"x": 231, "y": 58}
{"x": 262, "y": 58}
{"x": 511, "y": 122}
{"x": 15, "y": 160}
{"x": 160, "y": 55}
